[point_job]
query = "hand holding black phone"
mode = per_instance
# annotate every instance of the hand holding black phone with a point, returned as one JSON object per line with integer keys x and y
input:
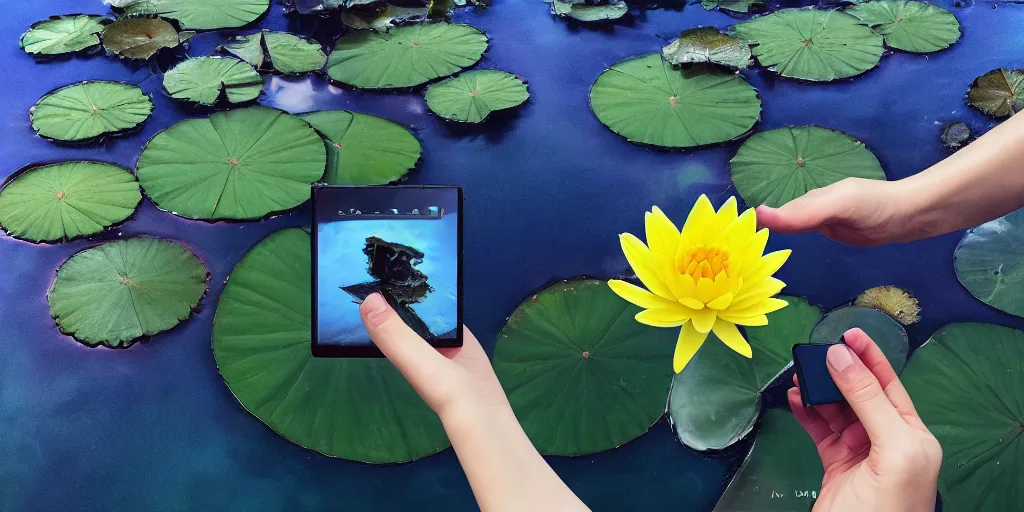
{"x": 816, "y": 384}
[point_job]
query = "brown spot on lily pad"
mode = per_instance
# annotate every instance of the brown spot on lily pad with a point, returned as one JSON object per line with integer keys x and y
{"x": 61, "y": 195}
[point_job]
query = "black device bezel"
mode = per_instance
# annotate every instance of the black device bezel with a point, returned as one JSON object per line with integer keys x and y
{"x": 319, "y": 350}
{"x": 806, "y": 385}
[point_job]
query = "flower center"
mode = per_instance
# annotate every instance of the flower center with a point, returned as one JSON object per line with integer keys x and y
{"x": 702, "y": 261}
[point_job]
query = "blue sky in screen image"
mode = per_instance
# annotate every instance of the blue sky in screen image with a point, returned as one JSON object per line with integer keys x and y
{"x": 341, "y": 262}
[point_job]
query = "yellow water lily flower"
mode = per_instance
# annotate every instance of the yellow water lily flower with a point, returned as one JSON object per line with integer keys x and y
{"x": 710, "y": 277}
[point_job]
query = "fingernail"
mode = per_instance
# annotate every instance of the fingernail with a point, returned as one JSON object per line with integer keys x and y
{"x": 839, "y": 357}
{"x": 375, "y": 307}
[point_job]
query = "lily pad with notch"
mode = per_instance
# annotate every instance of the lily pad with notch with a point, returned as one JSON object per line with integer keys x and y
{"x": 363, "y": 149}
{"x": 139, "y": 38}
{"x": 989, "y": 262}
{"x": 998, "y": 93}
{"x": 405, "y": 56}
{"x": 359, "y": 409}
{"x": 83, "y": 111}
{"x": 118, "y": 292}
{"x": 209, "y": 80}
{"x": 281, "y": 51}
{"x": 239, "y": 164}
{"x": 471, "y": 96}
{"x": 887, "y": 333}
{"x": 647, "y": 101}
{"x": 966, "y": 384}
{"x": 774, "y": 167}
{"x": 707, "y": 44}
{"x": 590, "y": 11}
{"x": 716, "y": 400}
{"x": 61, "y": 35}
{"x": 909, "y": 25}
{"x": 202, "y": 14}
{"x": 812, "y": 44}
{"x": 581, "y": 374}
{"x": 48, "y": 203}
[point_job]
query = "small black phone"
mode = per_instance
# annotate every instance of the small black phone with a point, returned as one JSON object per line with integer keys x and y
{"x": 816, "y": 384}
{"x": 403, "y": 242}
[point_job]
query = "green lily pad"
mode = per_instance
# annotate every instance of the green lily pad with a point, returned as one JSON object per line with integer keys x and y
{"x": 909, "y": 25}
{"x": 707, "y": 44}
{"x": 581, "y": 374}
{"x": 782, "y": 472}
{"x": 364, "y": 149}
{"x": 248, "y": 48}
{"x": 118, "y": 292}
{"x": 811, "y": 44}
{"x": 86, "y": 110}
{"x": 384, "y": 18}
{"x": 356, "y": 409}
{"x": 580, "y": 11}
{"x": 887, "y": 333}
{"x": 998, "y": 93}
{"x": 139, "y": 38}
{"x": 966, "y": 385}
{"x": 716, "y": 399}
{"x": 989, "y": 262}
{"x": 63, "y": 34}
{"x": 238, "y": 164}
{"x": 405, "y": 56}
{"x": 471, "y": 96}
{"x": 205, "y": 80}
{"x": 202, "y": 14}
{"x": 740, "y": 6}
{"x": 67, "y": 200}
{"x": 287, "y": 53}
{"x": 648, "y": 101}
{"x": 777, "y": 166}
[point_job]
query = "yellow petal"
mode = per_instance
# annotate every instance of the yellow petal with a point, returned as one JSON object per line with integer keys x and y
{"x": 681, "y": 285}
{"x": 663, "y": 239}
{"x": 730, "y": 335}
{"x": 741, "y": 230}
{"x": 749, "y": 321}
{"x": 768, "y": 265}
{"x": 687, "y": 344}
{"x": 755, "y": 247}
{"x": 701, "y": 217}
{"x": 691, "y": 303}
{"x": 704, "y": 319}
{"x": 721, "y": 302}
{"x": 755, "y": 291}
{"x": 761, "y": 308}
{"x": 668, "y": 317}
{"x": 639, "y": 257}
{"x": 639, "y": 296}
{"x": 727, "y": 213}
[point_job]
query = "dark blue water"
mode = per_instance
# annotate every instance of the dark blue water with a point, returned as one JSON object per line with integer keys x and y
{"x": 547, "y": 191}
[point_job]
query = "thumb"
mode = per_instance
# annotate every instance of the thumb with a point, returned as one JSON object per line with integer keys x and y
{"x": 864, "y": 394}
{"x": 803, "y": 214}
{"x": 413, "y": 356}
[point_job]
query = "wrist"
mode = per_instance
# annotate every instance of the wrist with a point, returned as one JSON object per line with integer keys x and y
{"x": 926, "y": 206}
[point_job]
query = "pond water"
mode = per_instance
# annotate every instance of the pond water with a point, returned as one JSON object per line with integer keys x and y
{"x": 548, "y": 189}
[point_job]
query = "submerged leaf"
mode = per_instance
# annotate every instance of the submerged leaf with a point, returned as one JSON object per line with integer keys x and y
{"x": 63, "y": 34}
{"x": 139, "y": 38}
{"x": 909, "y": 25}
{"x": 590, "y": 12}
{"x": 383, "y": 19}
{"x": 740, "y": 6}
{"x": 202, "y": 14}
{"x": 205, "y": 80}
{"x": 86, "y": 110}
{"x": 812, "y": 44}
{"x": 472, "y": 96}
{"x": 955, "y": 134}
{"x": 989, "y": 262}
{"x": 707, "y": 44}
{"x": 893, "y": 301}
{"x": 238, "y": 164}
{"x": 381, "y": 60}
{"x": 67, "y": 200}
{"x": 117, "y": 292}
{"x": 648, "y": 101}
{"x": 998, "y": 93}
{"x": 364, "y": 149}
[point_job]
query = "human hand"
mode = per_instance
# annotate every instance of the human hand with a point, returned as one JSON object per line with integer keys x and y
{"x": 877, "y": 454}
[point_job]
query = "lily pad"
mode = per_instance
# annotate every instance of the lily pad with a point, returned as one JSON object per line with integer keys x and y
{"x": 63, "y": 34}
{"x": 287, "y": 53}
{"x": 581, "y": 11}
{"x": 205, "y": 80}
{"x": 811, "y": 44}
{"x": 955, "y": 134}
{"x": 909, "y": 25}
{"x": 139, "y": 38}
{"x": 471, "y": 96}
{"x": 707, "y": 44}
{"x": 202, "y": 14}
{"x": 364, "y": 149}
{"x": 777, "y": 166}
{"x": 893, "y": 301}
{"x": 648, "y": 101}
{"x": 239, "y": 164}
{"x": 67, "y": 200}
{"x": 86, "y": 110}
{"x": 357, "y": 409}
{"x": 998, "y": 93}
{"x": 782, "y": 472}
{"x": 581, "y": 374}
{"x": 405, "y": 56}
{"x": 716, "y": 399}
{"x": 740, "y": 6}
{"x": 248, "y": 48}
{"x": 989, "y": 262}
{"x": 966, "y": 385}
{"x": 383, "y": 19}
{"x": 118, "y": 292}
{"x": 880, "y": 327}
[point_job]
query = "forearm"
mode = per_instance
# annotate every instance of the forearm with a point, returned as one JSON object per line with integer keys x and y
{"x": 503, "y": 468}
{"x": 981, "y": 182}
